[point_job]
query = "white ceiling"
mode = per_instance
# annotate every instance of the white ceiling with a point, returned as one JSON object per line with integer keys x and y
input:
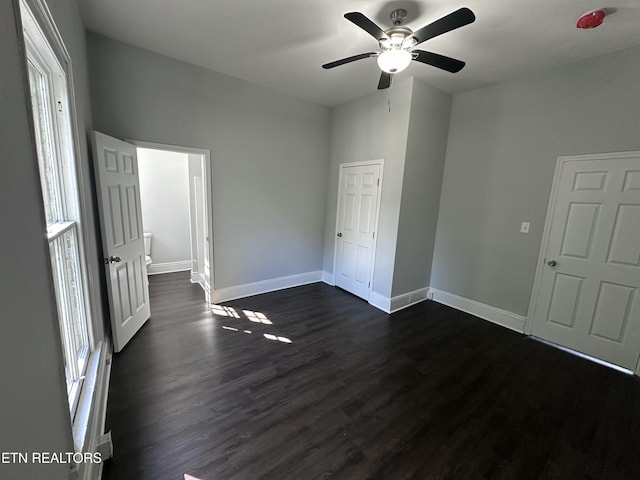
{"x": 283, "y": 43}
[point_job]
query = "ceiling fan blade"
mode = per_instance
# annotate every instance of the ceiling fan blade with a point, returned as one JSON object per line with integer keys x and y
{"x": 457, "y": 19}
{"x": 367, "y": 25}
{"x": 445, "y": 63}
{"x": 385, "y": 81}
{"x": 342, "y": 61}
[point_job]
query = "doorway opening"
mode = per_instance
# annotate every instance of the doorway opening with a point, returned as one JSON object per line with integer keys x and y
{"x": 175, "y": 187}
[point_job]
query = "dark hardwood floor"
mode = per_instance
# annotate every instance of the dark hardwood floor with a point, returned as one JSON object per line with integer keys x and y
{"x": 426, "y": 393}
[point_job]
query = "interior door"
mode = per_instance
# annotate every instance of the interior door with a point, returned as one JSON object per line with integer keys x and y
{"x": 359, "y": 188}
{"x": 588, "y": 294}
{"x": 118, "y": 192}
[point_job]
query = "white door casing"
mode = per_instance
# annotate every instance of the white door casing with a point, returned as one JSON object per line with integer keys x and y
{"x": 356, "y": 223}
{"x": 207, "y": 276}
{"x": 118, "y": 192}
{"x": 586, "y": 295}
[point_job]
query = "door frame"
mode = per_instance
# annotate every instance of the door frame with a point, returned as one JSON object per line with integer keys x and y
{"x": 341, "y": 167}
{"x": 561, "y": 161}
{"x": 208, "y": 193}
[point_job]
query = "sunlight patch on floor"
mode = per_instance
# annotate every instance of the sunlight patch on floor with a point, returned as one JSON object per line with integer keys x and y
{"x": 233, "y": 329}
{"x": 252, "y": 316}
{"x": 276, "y": 338}
{"x": 257, "y": 317}
{"x": 224, "y": 311}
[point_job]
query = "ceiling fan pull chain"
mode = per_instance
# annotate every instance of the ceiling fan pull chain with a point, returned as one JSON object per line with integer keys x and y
{"x": 389, "y": 92}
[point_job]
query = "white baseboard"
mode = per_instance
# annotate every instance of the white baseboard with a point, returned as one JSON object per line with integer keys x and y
{"x": 102, "y": 418}
{"x": 407, "y": 299}
{"x": 380, "y": 302}
{"x": 201, "y": 279}
{"x": 328, "y": 278}
{"x": 487, "y": 312}
{"x": 90, "y": 421}
{"x": 399, "y": 302}
{"x": 169, "y": 267}
{"x": 239, "y": 291}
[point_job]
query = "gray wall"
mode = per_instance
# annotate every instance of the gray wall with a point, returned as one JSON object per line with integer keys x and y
{"x": 269, "y": 153}
{"x": 361, "y": 130}
{"x": 411, "y": 138}
{"x": 502, "y": 149}
{"x": 34, "y": 414}
{"x": 423, "y": 167}
{"x": 164, "y": 197}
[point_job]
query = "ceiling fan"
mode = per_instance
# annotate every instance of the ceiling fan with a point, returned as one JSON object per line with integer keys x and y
{"x": 397, "y": 44}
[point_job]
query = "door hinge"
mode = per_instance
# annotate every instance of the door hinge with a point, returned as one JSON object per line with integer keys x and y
{"x": 374, "y": 235}
{"x": 378, "y": 182}
{"x": 369, "y": 286}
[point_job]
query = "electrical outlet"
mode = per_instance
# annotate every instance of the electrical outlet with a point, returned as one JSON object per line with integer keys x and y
{"x": 524, "y": 227}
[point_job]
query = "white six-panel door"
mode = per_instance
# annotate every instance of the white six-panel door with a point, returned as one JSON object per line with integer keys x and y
{"x": 118, "y": 191}
{"x": 359, "y": 189}
{"x": 588, "y": 298}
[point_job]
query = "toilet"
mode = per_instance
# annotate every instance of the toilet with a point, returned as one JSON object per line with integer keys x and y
{"x": 147, "y": 248}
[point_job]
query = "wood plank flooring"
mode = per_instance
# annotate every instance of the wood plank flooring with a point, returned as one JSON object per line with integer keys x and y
{"x": 426, "y": 393}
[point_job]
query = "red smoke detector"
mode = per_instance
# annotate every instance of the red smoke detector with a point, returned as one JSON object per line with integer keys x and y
{"x": 591, "y": 19}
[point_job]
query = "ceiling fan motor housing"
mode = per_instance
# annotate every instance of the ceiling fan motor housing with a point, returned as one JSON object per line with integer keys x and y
{"x": 398, "y": 37}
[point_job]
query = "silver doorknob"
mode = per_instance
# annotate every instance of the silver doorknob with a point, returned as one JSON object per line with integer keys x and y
{"x": 112, "y": 259}
{"x": 552, "y": 263}
{"x": 339, "y": 234}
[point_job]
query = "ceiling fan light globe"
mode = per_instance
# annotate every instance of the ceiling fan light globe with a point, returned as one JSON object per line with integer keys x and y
{"x": 394, "y": 61}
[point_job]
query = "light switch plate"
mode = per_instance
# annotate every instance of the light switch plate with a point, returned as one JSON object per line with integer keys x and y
{"x": 524, "y": 227}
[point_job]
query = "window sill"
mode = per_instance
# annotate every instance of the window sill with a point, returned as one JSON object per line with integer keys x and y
{"x": 89, "y": 414}
{"x": 55, "y": 230}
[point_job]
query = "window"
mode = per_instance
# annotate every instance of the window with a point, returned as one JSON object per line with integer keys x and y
{"x": 51, "y": 107}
